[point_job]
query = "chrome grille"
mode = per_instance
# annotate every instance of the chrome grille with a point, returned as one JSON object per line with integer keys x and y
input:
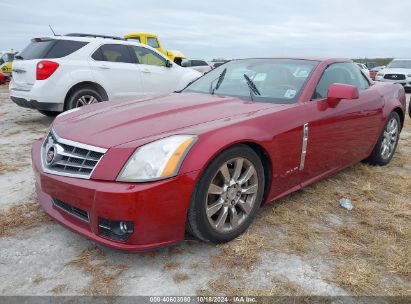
{"x": 65, "y": 157}
{"x": 394, "y": 76}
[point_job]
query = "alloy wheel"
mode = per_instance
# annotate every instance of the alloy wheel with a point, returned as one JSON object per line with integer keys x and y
{"x": 231, "y": 195}
{"x": 390, "y": 138}
{"x": 86, "y": 100}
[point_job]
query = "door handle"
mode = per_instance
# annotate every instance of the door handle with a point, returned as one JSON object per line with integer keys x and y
{"x": 104, "y": 67}
{"x": 146, "y": 71}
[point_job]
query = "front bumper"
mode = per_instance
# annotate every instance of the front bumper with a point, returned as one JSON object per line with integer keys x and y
{"x": 157, "y": 209}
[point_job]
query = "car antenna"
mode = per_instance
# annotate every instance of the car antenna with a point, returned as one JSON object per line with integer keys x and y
{"x": 52, "y": 30}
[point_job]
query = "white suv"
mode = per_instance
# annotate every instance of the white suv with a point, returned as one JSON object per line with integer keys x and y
{"x": 59, "y": 73}
{"x": 398, "y": 71}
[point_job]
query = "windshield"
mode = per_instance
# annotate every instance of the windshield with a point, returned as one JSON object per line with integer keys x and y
{"x": 263, "y": 80}
{"x": 400, "y": 64}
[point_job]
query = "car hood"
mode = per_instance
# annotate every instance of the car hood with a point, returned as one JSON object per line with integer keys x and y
{"x": 117, "y": 122}
{"x": 396, "y": 71}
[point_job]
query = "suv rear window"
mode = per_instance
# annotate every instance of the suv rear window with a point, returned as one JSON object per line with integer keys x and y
{"x": 46, "y": 49}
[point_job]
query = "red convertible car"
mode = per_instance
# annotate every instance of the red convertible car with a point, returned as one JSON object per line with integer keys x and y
{"x": 138, "y": 174}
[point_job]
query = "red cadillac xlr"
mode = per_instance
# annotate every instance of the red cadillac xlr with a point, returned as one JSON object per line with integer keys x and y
{"x": 138, "y": 174}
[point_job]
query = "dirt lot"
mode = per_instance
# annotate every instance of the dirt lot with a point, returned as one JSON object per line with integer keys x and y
{"x": 304, "y": 244}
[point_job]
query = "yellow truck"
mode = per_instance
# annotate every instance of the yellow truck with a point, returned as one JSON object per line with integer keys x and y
{"x": 6, "y": 59}
{"x": 153, "y": 41}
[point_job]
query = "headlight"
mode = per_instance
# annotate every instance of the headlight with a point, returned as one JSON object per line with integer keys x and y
{"x": 380, "y": 74}
{"x": 157, "y": 160}
{"x": 409, "y": 75}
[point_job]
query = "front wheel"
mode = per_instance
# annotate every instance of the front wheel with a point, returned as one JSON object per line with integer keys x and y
{"x": 387, "y": 142}
{"x": 227, "y": 196}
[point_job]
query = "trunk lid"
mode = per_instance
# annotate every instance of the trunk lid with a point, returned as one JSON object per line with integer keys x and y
{"x": 24, "y": 73}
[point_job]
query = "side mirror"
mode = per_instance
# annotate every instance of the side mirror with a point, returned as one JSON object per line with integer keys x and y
{"x": 338, "y": 91}
{"x": 168, "y": 64}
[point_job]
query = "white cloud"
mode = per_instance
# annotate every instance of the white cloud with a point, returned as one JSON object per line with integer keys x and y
{"x": 343, "y": 28}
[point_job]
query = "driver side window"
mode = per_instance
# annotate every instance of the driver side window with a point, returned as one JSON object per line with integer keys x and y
{"x": 342, "y": 72}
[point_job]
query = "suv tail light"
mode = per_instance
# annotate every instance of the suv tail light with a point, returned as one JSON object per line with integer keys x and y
{"x": 45, "y": 69}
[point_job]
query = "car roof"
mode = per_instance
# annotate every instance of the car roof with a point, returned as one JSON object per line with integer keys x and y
{"x": 141, "y": 34}
{"x": 97, "y": 39}
{"x": 197, "y": 59}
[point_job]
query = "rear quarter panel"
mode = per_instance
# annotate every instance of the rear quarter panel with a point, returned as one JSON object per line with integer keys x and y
{"x": 394, "y": 98}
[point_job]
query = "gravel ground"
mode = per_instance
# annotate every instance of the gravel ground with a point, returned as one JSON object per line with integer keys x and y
{"x": 43, "y": 258}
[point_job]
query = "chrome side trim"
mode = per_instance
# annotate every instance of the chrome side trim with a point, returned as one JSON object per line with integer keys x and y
{"x": 304, "y": 146}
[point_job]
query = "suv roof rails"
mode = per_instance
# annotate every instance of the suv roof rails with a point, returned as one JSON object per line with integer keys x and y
{"x": 94, "y": 36}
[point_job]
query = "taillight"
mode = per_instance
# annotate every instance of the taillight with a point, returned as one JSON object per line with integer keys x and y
{"x": 45, "y": 69}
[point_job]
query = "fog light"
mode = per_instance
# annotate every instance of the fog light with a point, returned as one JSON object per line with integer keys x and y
{"x": 123, "y": 227}
{"x": 115, "y": 230}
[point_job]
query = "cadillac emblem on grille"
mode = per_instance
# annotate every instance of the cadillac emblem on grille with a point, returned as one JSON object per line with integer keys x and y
{"x": 50, "y": 155}
{"x": 53, "y": 152}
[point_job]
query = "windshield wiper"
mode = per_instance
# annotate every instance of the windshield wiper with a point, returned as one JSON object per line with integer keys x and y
{"x": 219, "y": 81}
{"x": 252, "y": 87}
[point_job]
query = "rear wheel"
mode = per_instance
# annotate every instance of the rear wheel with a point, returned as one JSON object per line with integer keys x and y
{"x": 387, "y": 142}
{"x": 82, "y": 98}
{"x": 227, "y": 196}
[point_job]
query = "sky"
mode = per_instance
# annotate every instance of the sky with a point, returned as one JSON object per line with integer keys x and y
{"x": 225, "y": 28}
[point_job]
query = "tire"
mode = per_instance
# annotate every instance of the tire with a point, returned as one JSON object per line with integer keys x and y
{"x": 49, "y": 113}
{"x": 82, "y": 97}
{"x": 208, "y": 227}
{"x": 378, "y": 157}
{"x": 409, "y": 108}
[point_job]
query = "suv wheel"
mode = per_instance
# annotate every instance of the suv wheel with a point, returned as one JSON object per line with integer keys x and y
{"x": 83, "y": 97}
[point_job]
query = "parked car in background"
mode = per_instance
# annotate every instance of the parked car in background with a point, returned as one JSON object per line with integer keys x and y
{"x": 136, "y": 175}
{"x": 374, "y": 71}
{"x": 216, "y": 64}
{"x": 370, "y": 64}
{"x": 3, "y": 78}
{"x": 6, "y": 62}
{"x": 397, "y": 71}
{"x": 364, "y": 69}
{"x": 153, "y": 41}
{"x": 199, "y": 65}
{"x": 58, "y": 73}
